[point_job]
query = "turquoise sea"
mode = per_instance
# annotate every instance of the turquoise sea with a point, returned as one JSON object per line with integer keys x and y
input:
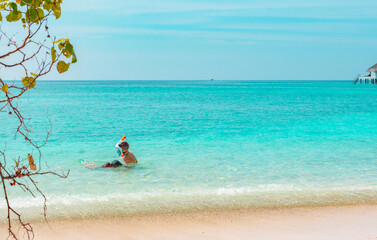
{"x": 200, "y": 144}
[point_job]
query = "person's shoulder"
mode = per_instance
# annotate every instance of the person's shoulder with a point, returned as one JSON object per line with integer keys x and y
{"x": 133, "y": 156}
{"x": 130, "y": 154}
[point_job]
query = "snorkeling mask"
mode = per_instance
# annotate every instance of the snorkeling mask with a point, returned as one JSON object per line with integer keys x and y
{"x": 119, "y": 149}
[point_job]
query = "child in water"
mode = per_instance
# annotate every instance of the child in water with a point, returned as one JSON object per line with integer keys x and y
{"x": 128, "y": 158}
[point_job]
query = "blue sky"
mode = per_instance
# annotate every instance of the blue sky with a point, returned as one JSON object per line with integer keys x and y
{"x": 230, "y": 40}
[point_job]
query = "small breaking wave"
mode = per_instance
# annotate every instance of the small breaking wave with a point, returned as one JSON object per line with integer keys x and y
{"x": 112, "y": 205}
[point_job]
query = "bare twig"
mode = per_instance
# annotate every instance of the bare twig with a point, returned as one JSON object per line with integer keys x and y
{"x": 23, "y": 55}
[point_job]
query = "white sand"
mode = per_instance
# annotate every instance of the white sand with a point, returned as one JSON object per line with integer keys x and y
{"x": 332, "y": 223}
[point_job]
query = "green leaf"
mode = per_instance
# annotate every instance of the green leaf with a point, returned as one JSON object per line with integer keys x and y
{"x": 69, "y": 49}
{"x": 47, "y": 6}
{"x": 62, "y": 66}
{"x": 3, "y": 6}
{"x": 29, "y": 82}
{"x": 74, "y": 59}
{"x": 53, "y": 54}
{"x": 41, "y": 13}
{"x": 34, "y": 74}
{"x": 14, "y": 7}
{"x": 57, "y": 10}
{"x": 5, "y": 87}
{"x": 14, "y": 17}
{"x": 37, "y": 3}
{"x": 10, "y": 17}
{"x": 33, "y": 15}
{"x": 1, "y": 17}
{"x": 61, "y": 46}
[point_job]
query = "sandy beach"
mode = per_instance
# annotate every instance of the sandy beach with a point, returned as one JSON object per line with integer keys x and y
{"x": 188, "y": 119}
{"x": 341, "y": 222}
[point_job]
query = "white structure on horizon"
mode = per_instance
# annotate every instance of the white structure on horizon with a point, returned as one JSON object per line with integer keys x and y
{"x": 370, "y": 78}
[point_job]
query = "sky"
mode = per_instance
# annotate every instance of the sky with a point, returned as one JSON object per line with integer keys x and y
{"x": 224, "y": 40}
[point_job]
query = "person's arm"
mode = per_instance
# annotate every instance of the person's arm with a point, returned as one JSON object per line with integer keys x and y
{"x": 106, "y": 165}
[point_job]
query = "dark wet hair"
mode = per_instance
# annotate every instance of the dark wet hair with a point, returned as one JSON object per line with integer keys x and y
{"x": 124, "y": 145}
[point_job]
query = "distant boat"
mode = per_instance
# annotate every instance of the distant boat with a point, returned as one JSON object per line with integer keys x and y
{"x": 370, "y": 78}
{"x": 212, "y": 79}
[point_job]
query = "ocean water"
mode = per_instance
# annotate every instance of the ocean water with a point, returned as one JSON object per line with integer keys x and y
{"x": 200, "y": 145}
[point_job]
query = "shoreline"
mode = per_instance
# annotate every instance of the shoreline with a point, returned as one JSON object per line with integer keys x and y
{"x": 85, "y": 207}
{"x": 330, "y": 222}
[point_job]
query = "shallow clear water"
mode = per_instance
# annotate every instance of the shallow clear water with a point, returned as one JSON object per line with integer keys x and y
{"x": 201, "y": 144}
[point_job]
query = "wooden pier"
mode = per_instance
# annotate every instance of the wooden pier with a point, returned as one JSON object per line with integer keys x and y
{"x": 371, "y": 78}
{"x": 365, "y": 80}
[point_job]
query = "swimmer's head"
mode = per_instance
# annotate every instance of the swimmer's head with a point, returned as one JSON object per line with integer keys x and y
{"x": 124, "y": 146}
